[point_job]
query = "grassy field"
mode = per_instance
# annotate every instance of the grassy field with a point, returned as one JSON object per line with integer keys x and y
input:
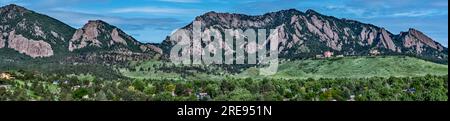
{"x": 139, "y": 73}
{"x": 360, "y": 67}
{"x": 346, "y": 67}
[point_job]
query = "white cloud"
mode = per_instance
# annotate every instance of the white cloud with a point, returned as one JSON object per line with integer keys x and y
{"x": 419, "y": 13}
{"x": 386, "y": 12}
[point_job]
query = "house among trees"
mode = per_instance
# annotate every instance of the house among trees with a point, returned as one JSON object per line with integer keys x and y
{"x": 202, "y": 96}
{"x": 328, "y": 54}
{"x": 352, "y": 98}
{"x": 6, "y": 76}
{"x": 374, "y": 52}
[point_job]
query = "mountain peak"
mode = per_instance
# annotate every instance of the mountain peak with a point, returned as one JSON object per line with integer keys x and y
{"x": 13, "y": 8}
{"x": 211, "y": 12}
{"x": 216, "y": 14}
{"x": 98, "y": 33}
{"x": 296, "y": 29}
{"x": 287, "y": 11}
{"x": 311, "y": 11}
{"x": 212, "y": 15}
{"x": 290, "y": 10}
{"x": 10, "y": 6}
{"x": 98, "y": 25}
{"x": 415, "y": 32}
{"x": 96, "y": 22}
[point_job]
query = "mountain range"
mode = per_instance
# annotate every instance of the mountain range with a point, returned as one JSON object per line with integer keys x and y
{"x": 28, "y": 35}
{"x": 305, "y": 34}
{"x": 39, "y": 36}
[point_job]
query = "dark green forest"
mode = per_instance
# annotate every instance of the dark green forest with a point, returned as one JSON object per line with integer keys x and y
{"x": 39, "y": 87}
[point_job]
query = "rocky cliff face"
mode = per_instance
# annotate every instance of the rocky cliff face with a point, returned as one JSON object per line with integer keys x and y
{"x": 299, "y": 34}
{"x": 31, "y": 33}
{"x": 2, "y": 41}
{"x": 305, "y": 34}
{"x": 418, "y": 41}
{"x": 98, "y": 41}
{"x": 39, "y": 36}
{"x": 33, "y": 48}
{"x": 99, "y": 34}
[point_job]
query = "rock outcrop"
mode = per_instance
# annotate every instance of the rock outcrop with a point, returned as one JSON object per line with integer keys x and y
{"x": 99, "y": 34}
{"x": 37, "y": 35}
{"x": 417, "y": 40}
{"x": 151, "y": 48}
{"x": 299, "y": 35}
{"x": 86, "y": 36}
{"x": 305, "y": 34}
{"x": 32, "y": 34}
{"x": 2, "y": 41}
{"x": 100, "y": 42}
{"x": 33, "y": 48}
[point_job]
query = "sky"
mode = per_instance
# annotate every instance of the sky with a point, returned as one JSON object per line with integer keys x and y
{"x": 152, "y": 20}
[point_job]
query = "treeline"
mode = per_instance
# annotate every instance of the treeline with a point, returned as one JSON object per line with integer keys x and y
{"x": 26, "y": 86}
{"x": 55, "y": 68}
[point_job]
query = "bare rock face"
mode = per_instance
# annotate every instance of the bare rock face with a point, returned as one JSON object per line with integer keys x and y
{"x": 99, "y": 34}
{"x": 419, "y": 41}
{"x": 325, "y": 31}
{"x": 32, "y": 34}
{"x": 304, "y": 34}
{"x": 424, "y": 39}
{"x": 368, "y": 35}
{"x": 100, "y": 42}
{"x": 2, "y": 41}
{"x": 387, "y": 40}
{"x": 116, "y": 38}
{"x": 86, "y": 36}
{"x": 314, "y": 29}
{"x": 148, "y": 47}
{"x": 279, "y": 35}
{"x": 33, "y": 48}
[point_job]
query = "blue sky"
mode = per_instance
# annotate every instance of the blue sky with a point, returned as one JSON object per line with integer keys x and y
{"x": 153, "y": 20}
